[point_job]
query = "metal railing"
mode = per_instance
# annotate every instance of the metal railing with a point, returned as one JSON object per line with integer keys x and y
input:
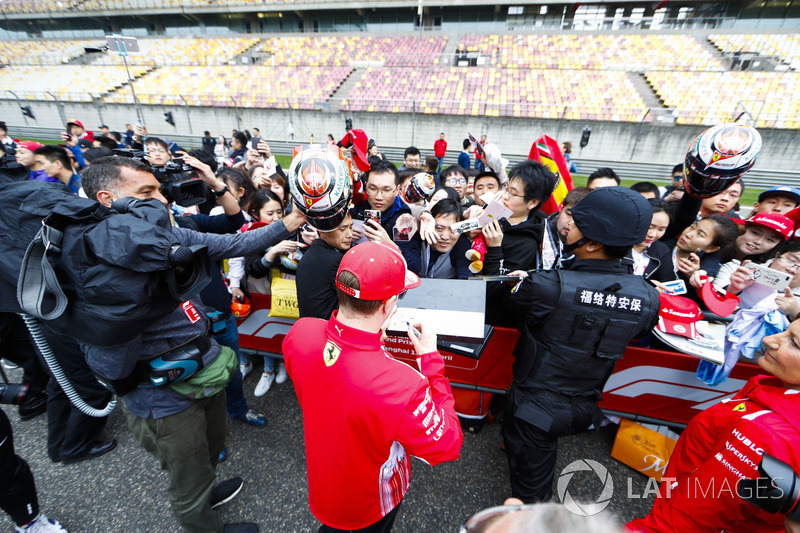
{"x": 758, "y": 178}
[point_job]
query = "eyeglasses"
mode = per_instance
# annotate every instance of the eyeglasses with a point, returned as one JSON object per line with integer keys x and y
{"x": 732, "y": 194}
{"x": 790, "y": 263}
{"x": 453, "y": 181}
{"x": 481, "y": 521}
{"x": 158, "y": 150}
{"x": 510, "y": 193}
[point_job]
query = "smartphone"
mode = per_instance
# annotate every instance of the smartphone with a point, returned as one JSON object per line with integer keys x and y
{"x": 763, "y": 275}
{"x": 677, "y": 286}
{"x": 372, "y": 214}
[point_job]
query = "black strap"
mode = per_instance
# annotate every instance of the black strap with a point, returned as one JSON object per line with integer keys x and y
{"x": 37, "y": 287}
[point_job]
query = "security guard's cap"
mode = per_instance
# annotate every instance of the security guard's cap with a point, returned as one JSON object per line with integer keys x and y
{"x": 614, "y": 216}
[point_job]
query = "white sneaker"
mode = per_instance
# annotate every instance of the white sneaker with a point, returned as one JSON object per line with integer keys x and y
{"x": 264, "y": 383}
{"x": 282, "y": 375}
{"x": 245, "y": 368}
{"x": 42, "y": 524}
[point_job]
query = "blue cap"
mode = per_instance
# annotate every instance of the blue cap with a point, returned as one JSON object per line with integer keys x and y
{"x": 784, "y": 190}
{"x": 614, "y": 216}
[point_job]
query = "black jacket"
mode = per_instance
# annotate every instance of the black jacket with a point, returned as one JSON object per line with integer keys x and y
{"x": 215, "y": 294}
{"x": 660, "y": 267}
{"x": 388, "y": 220}
{"x": 519, "y": 251}
{"x": 316, "y": 280}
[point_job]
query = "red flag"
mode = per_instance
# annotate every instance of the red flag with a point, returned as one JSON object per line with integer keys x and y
{"x": 545, "y": 150}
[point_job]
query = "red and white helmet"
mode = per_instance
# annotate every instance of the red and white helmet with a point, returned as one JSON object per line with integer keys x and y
{"x": 319, "y": 182}
{"x": 718, "y": 157}
{"x": 419, "y": 187}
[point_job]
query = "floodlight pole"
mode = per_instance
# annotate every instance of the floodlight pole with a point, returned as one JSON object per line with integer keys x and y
{"x": 24, "y": 117}
{"x": 59, "y": 107}
{"x": 122, "y": 50}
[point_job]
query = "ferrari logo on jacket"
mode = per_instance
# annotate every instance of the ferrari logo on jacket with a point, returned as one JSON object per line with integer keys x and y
{"x": 741, "y": 408}
{"x": 331, "y": 353}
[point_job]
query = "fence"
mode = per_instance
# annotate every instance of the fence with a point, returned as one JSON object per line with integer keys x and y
{"x": 758, "y": 178}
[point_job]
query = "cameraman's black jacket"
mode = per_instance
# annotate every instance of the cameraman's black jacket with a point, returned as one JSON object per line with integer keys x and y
{"x": 175, "y": 329}
{"x": 577, "y": 324}
{"x": 215, "y": 294}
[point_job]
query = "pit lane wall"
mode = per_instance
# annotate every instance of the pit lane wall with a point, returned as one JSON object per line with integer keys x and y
{"x": 649, "y": 142}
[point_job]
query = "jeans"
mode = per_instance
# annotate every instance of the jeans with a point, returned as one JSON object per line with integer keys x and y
{"x": 235, "y": 402}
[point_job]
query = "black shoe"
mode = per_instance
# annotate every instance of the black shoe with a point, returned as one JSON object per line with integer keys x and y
{"x": 33, "y": 406}
{"x": 100, "y": 448}
{"x": 225, "y": 491}
{"x": 243, "y": 527}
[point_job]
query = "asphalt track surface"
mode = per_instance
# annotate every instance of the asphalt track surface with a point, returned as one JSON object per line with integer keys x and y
{"x": 125, "y": 491}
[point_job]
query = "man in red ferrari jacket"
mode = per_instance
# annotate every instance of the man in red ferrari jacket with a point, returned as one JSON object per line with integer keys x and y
{"x": 725, "y": 443}
{"x": 364, "y": 413}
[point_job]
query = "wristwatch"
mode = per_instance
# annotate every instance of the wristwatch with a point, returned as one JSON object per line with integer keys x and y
{"x": 220, "y": 192}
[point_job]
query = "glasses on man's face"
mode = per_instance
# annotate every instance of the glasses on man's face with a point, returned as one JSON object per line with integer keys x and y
{"x": 157, "y": 150}
{"x": 456, "y": 181}
{"x": 730, "y": 194}
{"x": 375, "y": 191}
{"x": 509, "y": 192}
{"x": 790, "y": 263}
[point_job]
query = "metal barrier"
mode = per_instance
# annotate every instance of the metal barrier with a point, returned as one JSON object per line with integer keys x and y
{"x": 758, "y": 178}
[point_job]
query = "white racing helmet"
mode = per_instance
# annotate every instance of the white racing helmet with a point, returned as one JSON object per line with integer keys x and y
{"x": 319, "y": 182}
{"x": 718, "y": 157}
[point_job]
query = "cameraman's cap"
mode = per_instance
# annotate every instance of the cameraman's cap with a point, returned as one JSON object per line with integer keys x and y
{"x": 773, "y": 221}
{"x": 613, "y": 216}
{"x": 783, "y": 190}
{"x": 380, "y": 269}
{"x": 678, "y": 315}
{"x": 76, "y": 122}
{"x": 30, "y": 145}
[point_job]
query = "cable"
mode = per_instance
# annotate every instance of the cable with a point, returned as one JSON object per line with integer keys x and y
{"x": 58, "y": 373}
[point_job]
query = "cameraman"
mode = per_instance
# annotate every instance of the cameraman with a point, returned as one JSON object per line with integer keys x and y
{"x": 184, "y": 433}
{"x": 215, "y": 295}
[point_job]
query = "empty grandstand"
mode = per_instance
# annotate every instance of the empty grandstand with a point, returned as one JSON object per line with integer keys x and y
{"x": 564, "y": 65}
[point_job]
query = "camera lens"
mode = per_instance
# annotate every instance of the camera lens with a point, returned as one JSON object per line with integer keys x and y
{"x": 13, "y": 393}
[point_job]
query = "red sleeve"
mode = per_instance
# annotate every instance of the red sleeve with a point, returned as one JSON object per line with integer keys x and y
{"x": 430, "y": 429}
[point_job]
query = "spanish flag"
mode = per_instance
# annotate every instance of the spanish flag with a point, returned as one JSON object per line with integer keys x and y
{"x": 547, "y": 152}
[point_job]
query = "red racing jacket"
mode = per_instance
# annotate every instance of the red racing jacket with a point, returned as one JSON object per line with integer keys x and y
{"x": 364, "y": 414}
{"x": 720, "y": 446}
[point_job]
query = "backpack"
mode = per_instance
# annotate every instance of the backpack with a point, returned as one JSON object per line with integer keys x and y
{"x": 89, "y": 272}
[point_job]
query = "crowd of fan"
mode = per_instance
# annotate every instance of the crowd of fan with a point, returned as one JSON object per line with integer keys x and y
{"x": 688, "y": 239}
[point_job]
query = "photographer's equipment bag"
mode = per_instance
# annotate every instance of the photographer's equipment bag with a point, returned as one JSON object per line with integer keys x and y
{"x": 98, "y": 278}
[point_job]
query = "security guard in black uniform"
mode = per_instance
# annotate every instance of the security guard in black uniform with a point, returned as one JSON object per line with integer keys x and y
{"x": 577, "y": 324}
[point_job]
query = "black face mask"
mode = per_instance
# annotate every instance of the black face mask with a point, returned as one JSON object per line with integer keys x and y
{"x": 569, "y": 248}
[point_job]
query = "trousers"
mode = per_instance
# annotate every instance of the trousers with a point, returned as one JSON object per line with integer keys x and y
{"x": 71, "y": 433}
{"x": 187, "y": 445}
{"x": 17, "y": 347}
{"x": 17, "y": 490}
{"x": 532, "y": 425}
{"x": 384, "y": 525}
{"x": 236, "y": 403}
